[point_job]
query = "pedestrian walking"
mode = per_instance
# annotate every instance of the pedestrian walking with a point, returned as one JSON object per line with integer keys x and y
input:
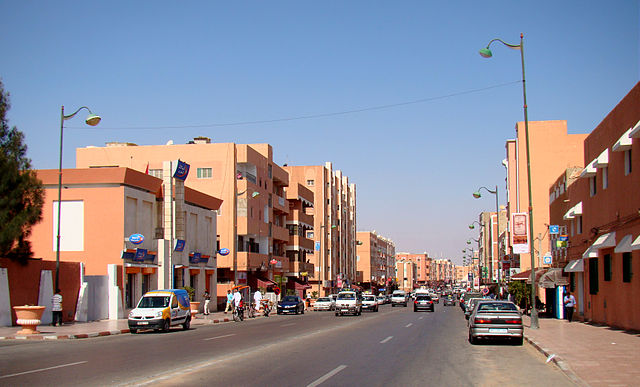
{"x": 569, "y": 305}
{"x": 229, "y": 305}
{"x": 257, "y": 300}
{"x": 56, "y": 302}
{"x": 207, "y": 300}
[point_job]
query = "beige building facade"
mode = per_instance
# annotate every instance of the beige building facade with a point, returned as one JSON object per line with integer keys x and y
{"x": 374, "y": 258}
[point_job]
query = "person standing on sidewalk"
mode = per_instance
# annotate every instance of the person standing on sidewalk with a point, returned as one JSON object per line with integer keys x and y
{"x": 207, "y": 300}
{"x": 229, "y": 305}
{"x": 56, "y": 302}
{"x": 569, "y": 304}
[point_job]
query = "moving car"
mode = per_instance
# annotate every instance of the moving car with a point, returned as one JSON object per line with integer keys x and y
{"x": 324, "y": 303}
{"x": 369, "y": 302}
{"x": 435, "y": 298}
{"x": 349, "y": 301}
{"x": 291, "y": 304}
{"x": 423, "y": 302}
{"x": 399, "y": 297}
{"x": 381, "y": 300}
{"x": 160, "y": 310}
{"x": 495, "y": 319}
{"x": 449, "y": 301}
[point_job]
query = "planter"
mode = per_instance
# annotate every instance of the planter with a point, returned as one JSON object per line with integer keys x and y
{"x": 195, "y": 307}
{"x": 29, "y": 318}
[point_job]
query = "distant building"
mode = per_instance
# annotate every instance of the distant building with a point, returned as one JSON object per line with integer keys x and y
{"x": 374, "y": 258}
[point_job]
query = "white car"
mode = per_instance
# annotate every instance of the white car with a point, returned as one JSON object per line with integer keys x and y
{"x": 399, "y": 297}
{"x": 369, "y": 302}
{"x": 324, "y": 303}
{"x": 349, "y": 302}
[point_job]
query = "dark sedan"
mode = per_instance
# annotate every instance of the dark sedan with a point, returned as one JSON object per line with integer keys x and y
{"x": 449, "y": 301}
{"x": 423, "y": 301}
{"x": 291, "y": 304}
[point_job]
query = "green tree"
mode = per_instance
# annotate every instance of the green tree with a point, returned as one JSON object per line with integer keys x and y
{"x": 521, "y": 292}
{"x": 21, "y": 193}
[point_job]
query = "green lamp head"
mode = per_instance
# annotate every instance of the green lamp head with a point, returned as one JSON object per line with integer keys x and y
{"x": 468, "y": 242}
{"x": 92, "y": 120}
{"x": 485, "y": 53}
{"x": 255, "y": 194}
{"x": 477, "y": 195}
{"x": 471, "y": 226}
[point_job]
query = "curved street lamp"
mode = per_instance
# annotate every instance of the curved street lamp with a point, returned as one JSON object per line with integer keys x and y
{"x": 91, "y": 120}
{"x": 471, "y": 226}
{"x": 477, "y": 195}
{"x": 486, "y": 53}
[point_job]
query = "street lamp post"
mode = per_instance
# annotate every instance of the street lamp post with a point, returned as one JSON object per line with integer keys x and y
{"x": 91, "y": 120}
{"x": 477, "y": 195}
{"x": 486, "y": 53}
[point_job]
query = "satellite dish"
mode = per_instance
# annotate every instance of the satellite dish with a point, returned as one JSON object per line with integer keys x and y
{"x": 170, "y": 142}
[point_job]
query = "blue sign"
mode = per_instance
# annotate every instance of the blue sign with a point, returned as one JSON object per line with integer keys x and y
{"x": 317, "y": 246}
{"x": 547, "y": 259}
{"x": 554, "y": 229}
{"x": 179, "y": 245}
{"x": 181, "y": 170}
{"x": 140, "y": 254}
{"x": 136, "y": 239}
{"x": 223, "y": 251}
{"x": 564, "y": 238}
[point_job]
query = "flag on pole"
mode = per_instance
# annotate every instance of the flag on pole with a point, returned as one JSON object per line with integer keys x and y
{"x": 147, "y": 170}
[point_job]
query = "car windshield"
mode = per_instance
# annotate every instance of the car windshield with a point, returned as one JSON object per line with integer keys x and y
{"x": 324, "y": 299}
{"x": 290, "y": 299}
{"x": 497, "y": 307}
{"x": 154, "y": 302}
{"x": 369, "y": 298}
{"x": 346, "y": 296}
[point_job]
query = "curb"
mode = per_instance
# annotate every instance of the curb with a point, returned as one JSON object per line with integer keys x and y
{"x": 557, "y": 360}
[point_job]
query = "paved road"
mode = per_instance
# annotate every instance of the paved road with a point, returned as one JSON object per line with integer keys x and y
{"x": 392, "y": 347}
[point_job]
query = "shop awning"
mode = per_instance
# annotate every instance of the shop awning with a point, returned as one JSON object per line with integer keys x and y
{"x": 297, "y": 284}
{"x": 636, "y": 244}
{"x": 526, "y": 275}
{"x": 605, "y": 240}
{"x": 575, "y": 266}
{"x": 265, "y": 283}
{"x": 552, "y": 279}
{"x": 590, "y": 253}
{"x": 625, "y": 244}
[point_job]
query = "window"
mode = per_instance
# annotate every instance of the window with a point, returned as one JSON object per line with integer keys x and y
{"x": 579, "y": 224}
{"x": 572, "y": 282}
{"x": 593, "y": 276}
{"x": 156, "y": 173}
{"x": 627, "y": 162}
{"x": 607, "y": 267}
{"x": 205, "y": 173}
{"x": 310, "y": 183}
{"x": 309, "y": 234}
{"x": 605, "y": 177}
{"x": 627, "y": 272}
{"x": 270, "y": 171}
{"x": 592, "y": 186}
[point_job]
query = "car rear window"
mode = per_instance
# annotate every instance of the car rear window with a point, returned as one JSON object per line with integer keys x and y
{"x": 497, "y": 307}
{"x": 369, "y": 298}
{"x": 324, "y": 299}
{"x": 428, "y": 298}
{"x": 346, "y": 296}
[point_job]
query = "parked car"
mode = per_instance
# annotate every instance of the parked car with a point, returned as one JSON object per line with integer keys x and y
{"x": 160, "y": 310}
{"x": 495, "y": 319}
{"x": 449, "y": 301}
{"x": 399, "y": 297}
{"x": 381, "y": 300}
{"x": 349, "y": 302}
{"x": 423, "y": 302}
{"x": 291, "y": 304}
{"x": 435, "y": 298}
{"x": 324, "y": 303}
{"x": 466, "y": 297}
{"x": 469, "y": 306}
{"x": 369, "y": 302}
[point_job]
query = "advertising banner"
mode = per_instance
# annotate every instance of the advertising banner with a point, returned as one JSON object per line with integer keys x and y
{"x": 181, "y": 170}
{"x": 520, "y": 233}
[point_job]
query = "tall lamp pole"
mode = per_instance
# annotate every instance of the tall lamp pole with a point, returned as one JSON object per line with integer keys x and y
{"x": 477, "y": 195}
{"x": 91, "y": 120}
{"x": 480, "y": 274}
{"x": 486, "y": 53}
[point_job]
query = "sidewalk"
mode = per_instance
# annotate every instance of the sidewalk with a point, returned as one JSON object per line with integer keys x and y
{"x": 82, "y": 330}
{"x": 591, "y": 355}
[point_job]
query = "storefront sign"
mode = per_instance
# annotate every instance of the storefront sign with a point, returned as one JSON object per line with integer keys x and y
{"x": 223, "y": 251}
{"x": 179, "y": 245}
{"x": 136, "y": 239}
{"x": 520, "y": 233}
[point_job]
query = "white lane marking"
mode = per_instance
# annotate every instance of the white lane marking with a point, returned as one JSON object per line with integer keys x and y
{"x": 288, "y": 325}
{"x": 421, "y": 318}
{"x": 219, "y": 337}
{"x": 387, "y": 339}
{"x": 327, "y": 376}
{"x": 408, "y": 325}
{"x": 43, "y": 369}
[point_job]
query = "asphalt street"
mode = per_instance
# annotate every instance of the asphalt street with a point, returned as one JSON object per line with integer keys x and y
{"x": 394, "y": 346}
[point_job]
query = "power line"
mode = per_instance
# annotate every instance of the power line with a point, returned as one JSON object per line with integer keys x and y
{"x": 311, "y": 116}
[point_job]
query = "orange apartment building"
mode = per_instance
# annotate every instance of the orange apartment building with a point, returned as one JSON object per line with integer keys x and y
{"x": 423, "y": 266}
{"x": 375, "y": 261}
{"x": 101, "y": 208}
{"x": 600, "y": 211}
{"x": 491, "y": 245}
{"x": 334, "y": 225}
{"x": 252, "y": 219}
{"x": 552, "y": 151}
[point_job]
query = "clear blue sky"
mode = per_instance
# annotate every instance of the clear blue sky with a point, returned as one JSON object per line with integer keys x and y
{"x": 176, "y": 64}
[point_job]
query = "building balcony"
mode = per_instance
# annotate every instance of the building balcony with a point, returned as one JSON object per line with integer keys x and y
{"x": 295, "y": 268}
{"x": 280, "y": 233}
{"x": 280, "y": 204}
{"x": 302, "y": 218}
{"x": 296, "y": 242}
{"x": 250, "y": 261}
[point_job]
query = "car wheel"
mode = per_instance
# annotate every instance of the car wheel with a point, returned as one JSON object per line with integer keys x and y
{"x": 518, "y": 340}
{"x": 376, "y": 309}
{"x": 278, "y": 312}
{"x": 187, "y": 324}
{"x": 337, "y": 314}
{"x": 133, "y": 331}
{"x": 302, "y": 311}
{"x": 415, "y": 310}
{"x": 405, "y": 304}
{"x": 166, "y": 325}
{"x": 472, "y": 339}
{"x": 393, "y": 305}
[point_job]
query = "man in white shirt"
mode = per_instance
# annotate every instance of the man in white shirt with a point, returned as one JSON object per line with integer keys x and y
{"x": 569, "y": 304}
{"x": 257, "y": 299}
{"x": 237, "y": 298}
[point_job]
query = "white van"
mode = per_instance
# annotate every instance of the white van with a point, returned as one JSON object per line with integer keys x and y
{"x": 160, "y": 310}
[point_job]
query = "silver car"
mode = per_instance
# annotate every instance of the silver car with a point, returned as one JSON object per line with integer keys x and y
{"x": 495, "y": 319}
{"x": 324, "y": 303}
